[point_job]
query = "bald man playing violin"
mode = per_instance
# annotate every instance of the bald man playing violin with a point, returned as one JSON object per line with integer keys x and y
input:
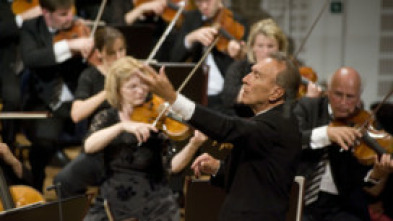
{"x": 334, "y": 176}
{"x": 260, "y": 169}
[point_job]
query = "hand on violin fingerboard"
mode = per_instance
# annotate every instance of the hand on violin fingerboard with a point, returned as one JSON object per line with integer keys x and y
{"x": 236, "y": 49}
{"x": 383, "y": 166}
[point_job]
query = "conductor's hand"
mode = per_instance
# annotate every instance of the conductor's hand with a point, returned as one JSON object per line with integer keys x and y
{"x": 158, "y": 83}
{"x": 343, "y": 136}
{"x": 205, "y": 164}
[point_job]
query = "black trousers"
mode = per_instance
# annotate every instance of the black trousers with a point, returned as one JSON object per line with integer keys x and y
{"x": 330, "y": 207}
{"x": 11, "y": 99}
{"x": 83, "y": 171}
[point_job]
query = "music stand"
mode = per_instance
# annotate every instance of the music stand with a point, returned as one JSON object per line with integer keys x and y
{"x": 142, "y": 34}
{"x": 74, "y": 209}
{"x": 196, "y": 88}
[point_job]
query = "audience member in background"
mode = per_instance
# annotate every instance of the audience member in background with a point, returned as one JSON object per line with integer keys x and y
{"x": 55, "y": 67}
{"x": 11, "y": 66}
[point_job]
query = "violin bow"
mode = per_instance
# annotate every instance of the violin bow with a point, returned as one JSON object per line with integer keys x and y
{"x": 188, "y": 78}
{"x": 311, "y": 28}
{"x": 375, "y": 110}
{"x": 166, "y": 32}
{"x": 98, "y": 18}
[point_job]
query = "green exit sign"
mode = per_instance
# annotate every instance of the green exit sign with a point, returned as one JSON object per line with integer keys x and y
{"x": 336, "y": 7}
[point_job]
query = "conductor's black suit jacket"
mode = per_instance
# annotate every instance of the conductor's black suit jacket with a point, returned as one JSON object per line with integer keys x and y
{"x": 261, "y": 167}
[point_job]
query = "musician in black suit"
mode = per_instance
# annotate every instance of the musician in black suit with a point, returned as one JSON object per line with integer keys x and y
{"x": 11, "y": 66}
{"x": 335, "y": 192}
{"x": 195, "y": 35}
{"x": 261, "y": 167}
{"x": 55, "y": 68}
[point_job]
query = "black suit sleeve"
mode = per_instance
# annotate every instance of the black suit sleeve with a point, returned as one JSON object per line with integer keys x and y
{"x": 37, "y": 45}
{"x": 8, "y": 23}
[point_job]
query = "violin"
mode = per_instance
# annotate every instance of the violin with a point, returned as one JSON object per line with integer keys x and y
{"x": 149, "y": 112}
{"x": 78, "y": 30}
{"x": 228, "y": 28}
{"x": 373, "y": 143}
{"x": 308, "y": 75}
{"x": 17, "y": 195}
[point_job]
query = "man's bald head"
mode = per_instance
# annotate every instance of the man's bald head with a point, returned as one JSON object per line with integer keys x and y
{"x": 344, "y": 91}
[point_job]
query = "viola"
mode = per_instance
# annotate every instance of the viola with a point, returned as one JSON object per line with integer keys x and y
{"x": 373, "y": 143}
{"x": 17, "y": 195}
{"x": 149, "y": 113}
{"x": 228, "y": 28}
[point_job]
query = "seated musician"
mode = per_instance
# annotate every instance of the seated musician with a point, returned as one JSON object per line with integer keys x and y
{"x": 90, "y": 98}
{"x": 135, "y": 183}
{"x": 334, "y": 176}
{"x": 194, "y": 35}
{"x": 55, "y": 61}
{"x": 132, "y": 12}
{"x": 11, "y": 65}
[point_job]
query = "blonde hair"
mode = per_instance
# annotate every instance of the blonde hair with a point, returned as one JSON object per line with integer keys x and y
{"x": 270, "y": 29}
{"x": 119, "y": 72}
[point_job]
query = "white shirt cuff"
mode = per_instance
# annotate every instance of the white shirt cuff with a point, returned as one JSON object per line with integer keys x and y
{"x": 19, "y": 21}
{"x": 62, "y": 51}
{"x": 183, "y": 107}
{"x": 319, "y": 138}
{"x": 186, "y": 45}
{"x": 368, "y": 179}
